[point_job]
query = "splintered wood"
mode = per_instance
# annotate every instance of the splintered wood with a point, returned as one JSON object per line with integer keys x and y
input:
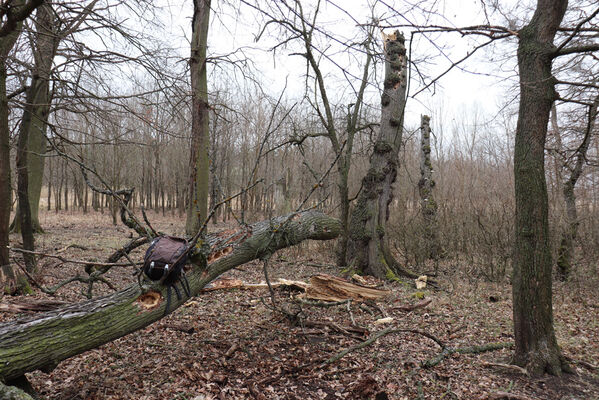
{"x": 149, "y": 300}
{"x": 330, "y": 288}
{"x": 30, "y": 306}
{"x": 321, "y": 287}
{"x": 232, "y": 283}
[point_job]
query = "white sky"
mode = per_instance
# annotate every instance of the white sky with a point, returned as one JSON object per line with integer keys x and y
{"x": 230, "y": 31}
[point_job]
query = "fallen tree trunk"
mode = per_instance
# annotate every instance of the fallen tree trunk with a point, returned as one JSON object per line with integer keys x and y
{"x": 41, "y": 343}
{"x": 321, "y": 287}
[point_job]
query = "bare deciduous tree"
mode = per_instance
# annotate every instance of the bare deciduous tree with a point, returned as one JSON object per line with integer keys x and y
{"x": 199, "y": 178}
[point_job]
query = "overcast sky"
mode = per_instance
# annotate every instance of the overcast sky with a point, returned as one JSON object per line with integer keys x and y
{"x": 482, "y": 82}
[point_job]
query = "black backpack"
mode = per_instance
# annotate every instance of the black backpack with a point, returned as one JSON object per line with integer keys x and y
{"x": 165, "y": 262}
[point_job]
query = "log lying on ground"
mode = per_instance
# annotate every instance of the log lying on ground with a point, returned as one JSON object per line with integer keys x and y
{"x": 321, "y": 287}
{"x": 41, "y": 343}
{"x": 232, "y": 283}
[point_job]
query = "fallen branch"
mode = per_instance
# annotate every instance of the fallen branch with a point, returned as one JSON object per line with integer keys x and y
{"x": 465, "y": 350}
{"x": 72, "y": 261}
{"x": 326, "y": 289}
{"x": 377, "y": 336}
{"x": 412, "y": 307}
{"x": 584, "y": 364}
{"x": 507, "y": 396}
{"x": 324, "y": 304}
{"x": 509, "y": 367}
{"x": 232, "y": 283}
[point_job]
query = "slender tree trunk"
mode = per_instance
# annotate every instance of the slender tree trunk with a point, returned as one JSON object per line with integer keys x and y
{"x": 58, "y": 191}
{"x": 536, "y": 345}
{"x": 344, "y": 163}
{"x": 428, "y": 205}
{"x": 566, "y": 248}
{"x": 23, "y": 187}
{"x": 343, "y": 190}
{"x": 199, "y": 178}
{"x": 85, "y": 199}
{"x": 45, "y": 44}
{"x": 8, "y": 278}
{"x": 66, "y": 187}
{"x": 367, "y": 250}
{"x": 49, "y": 178}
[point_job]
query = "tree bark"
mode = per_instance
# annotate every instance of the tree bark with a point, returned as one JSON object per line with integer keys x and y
{"x": 367, "y": 250}
{"x": 13, "y": 393}
{"x": 37, "y": 109}
{"x": 16, "y": 13}
{"x": 428, "y": 205}
{"x": 199, "y": 178}
{"x": 566, "y": 247}
{"x": 8, "y": 279}
{"x": 42, "y": 342}
{"x": 535, "y": 342}
{"x": 23, "y": 189}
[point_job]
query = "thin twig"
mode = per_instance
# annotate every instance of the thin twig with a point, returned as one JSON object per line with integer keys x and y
{"x": 72, "y": 261}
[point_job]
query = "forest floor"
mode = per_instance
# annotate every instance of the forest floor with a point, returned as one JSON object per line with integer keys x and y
{"x": 227, "y": 344}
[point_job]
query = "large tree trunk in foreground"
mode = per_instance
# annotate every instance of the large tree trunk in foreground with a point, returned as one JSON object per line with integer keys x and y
{"x": 566, "y": 248}
{"x": 536, "y": 344}
{"x": 367, "y": 249}
{"x": 37, "y": 109}
{"x": 7, "y": 275}
{"x": 199, "y": 174}
{"x": 9, "y": 281}
{"x": 42, "y": 342}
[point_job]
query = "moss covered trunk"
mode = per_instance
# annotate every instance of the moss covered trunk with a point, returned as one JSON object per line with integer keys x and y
{"x": 44, "y": 341}
{"x": 199, "y": 169}
{"x": 535, "y": 342}
{"x": 366, "y": 248}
